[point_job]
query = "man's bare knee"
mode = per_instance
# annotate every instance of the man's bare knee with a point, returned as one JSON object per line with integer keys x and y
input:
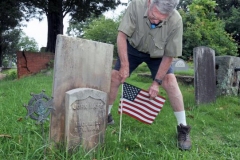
{"x": 169, "y": 82}
{"x": 115, "y": 78}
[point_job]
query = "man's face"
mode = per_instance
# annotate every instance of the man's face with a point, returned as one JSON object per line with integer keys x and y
{"x": 154, "y": 16}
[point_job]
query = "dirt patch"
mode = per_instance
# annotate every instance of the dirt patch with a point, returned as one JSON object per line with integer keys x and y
{"x": 2, "y": 76}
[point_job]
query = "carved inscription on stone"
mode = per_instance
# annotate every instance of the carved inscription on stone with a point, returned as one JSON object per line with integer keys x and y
{"x": 87, "y": 127}
{"x": 87, "y": 105}
{"x": 179, "y": 64}
{"x": 84, "y": 108}
{"x": 86, "y": 118}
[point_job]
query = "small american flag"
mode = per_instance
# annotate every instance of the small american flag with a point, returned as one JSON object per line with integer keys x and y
{"x": 135, "y": 102}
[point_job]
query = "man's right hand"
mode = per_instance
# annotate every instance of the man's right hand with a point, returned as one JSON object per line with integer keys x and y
{"x": 124, "y": 73}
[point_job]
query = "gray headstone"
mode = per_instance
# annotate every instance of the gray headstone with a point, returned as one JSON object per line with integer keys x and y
{"x": 204, "y": 75}
{"x": 78, "y": 63}
{"x": 85, "y": 118}
{"x": 227, "y": 78}
{"x": 179, "y": 65}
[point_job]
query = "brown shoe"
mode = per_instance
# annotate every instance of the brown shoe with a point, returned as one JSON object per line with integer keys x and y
{"x": 184, "y": 141}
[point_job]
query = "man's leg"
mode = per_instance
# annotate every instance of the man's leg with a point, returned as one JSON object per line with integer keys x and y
{"x": 134, "y": 59}
{"x": 115, "y": 83}
{"x": 176, "y": 99}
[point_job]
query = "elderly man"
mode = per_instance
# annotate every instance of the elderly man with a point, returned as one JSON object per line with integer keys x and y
{"x": 151, "y": 32}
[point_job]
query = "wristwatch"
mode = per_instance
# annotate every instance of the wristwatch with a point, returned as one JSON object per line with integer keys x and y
{"x": 158, "y": 81}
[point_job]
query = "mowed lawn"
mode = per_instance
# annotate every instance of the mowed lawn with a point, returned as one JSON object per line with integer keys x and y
{"x": 215, "y": 128}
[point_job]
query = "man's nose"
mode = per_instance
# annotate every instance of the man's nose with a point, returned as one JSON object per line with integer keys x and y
{"x": 156, "y": 21}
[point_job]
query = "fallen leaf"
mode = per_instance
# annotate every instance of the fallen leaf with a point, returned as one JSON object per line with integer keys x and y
{"x": 5, "y": 135}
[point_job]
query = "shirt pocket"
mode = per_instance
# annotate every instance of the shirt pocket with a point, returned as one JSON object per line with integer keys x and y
{"x": 136, "y": 39}
{"x": 158, "y": 49}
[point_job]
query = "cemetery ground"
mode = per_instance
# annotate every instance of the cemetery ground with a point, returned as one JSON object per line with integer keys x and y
{"x": 215, "y": 127}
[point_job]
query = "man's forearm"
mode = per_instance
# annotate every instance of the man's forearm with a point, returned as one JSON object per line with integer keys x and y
{"x": 122, "y": 48}
{"x": 164, "y": 67}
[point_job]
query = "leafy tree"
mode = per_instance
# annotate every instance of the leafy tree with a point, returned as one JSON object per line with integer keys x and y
{"x": 184, "y": 5}
{"x": 56, "y": 10}
{"x": 103, "y": 30}
{"x": 229, "y": 11}
{"x": 11, "y": 13}
{"x": 9, "y": 43}
{"x": 27, "y": 44}
{"x": 203, "y": 28}
{"x": 13, "y": 41}
{"x": 75, "y": 29}
{"x": 100, "y": 29}
{"x": 224, "y": 6}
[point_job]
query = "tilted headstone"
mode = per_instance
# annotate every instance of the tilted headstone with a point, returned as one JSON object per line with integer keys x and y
{"x": 85, "y": 118}
{"x": 179, "y": 65}
{"x": 204, "y": 75}
{"x": 228, "y": 77}
{"x": 78, "y": 63}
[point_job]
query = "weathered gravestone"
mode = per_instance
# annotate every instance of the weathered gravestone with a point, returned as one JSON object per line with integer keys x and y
{"x": 78, "y": 63}
{"x": 228, "y": 77}
{"x": 204, "y": 75}
{"x": 179, "y": 65}
{"x": 85, "y": 118}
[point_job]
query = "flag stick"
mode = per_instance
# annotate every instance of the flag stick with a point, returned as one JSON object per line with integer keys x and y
{"x": 120, "y": 127}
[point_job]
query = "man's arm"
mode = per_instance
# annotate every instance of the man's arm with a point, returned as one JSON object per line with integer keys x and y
{"x": 162, "y": 70}
{"x": 122, "y": 53}
{"x": 164, "y": 67}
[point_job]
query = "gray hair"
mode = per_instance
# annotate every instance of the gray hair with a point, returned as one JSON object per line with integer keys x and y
{"x": 164, "y": 6}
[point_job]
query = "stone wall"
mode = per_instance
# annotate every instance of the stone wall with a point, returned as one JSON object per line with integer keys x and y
{"x": 32, "y": 62}
{"x": 228, "y": 79}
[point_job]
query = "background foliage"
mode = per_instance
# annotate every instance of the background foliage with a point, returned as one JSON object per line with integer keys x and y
{"x": 203, "y": 28}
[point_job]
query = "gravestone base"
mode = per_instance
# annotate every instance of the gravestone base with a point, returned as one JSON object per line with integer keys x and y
{"x": 85, "y": 121}
{"x": 227, "y": 78}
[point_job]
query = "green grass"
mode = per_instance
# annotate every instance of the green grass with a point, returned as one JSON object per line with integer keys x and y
{"x": 189, "y": 72}
{"x": 144, "y": 69}
{"x": 215, "y": 128}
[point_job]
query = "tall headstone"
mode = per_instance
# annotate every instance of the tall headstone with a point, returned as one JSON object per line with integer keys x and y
{"x": 228, "y": 75}
{"x": 78, "y": 63}
{"x": 204, "y": 75}
{"x": 85, "y": 118}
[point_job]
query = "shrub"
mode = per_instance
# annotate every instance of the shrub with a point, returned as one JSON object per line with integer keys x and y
{"x": 203, "y": 28}
{"x": 11, "y": 75}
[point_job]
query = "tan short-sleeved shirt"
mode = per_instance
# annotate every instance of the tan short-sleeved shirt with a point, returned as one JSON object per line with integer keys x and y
{"x": 165, "y": 39}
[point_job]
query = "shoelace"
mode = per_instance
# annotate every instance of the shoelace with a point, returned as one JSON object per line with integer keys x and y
{"x": 183, "y": 135}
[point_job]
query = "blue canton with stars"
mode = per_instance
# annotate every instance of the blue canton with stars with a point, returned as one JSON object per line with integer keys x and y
{"x": 130, "y": 92}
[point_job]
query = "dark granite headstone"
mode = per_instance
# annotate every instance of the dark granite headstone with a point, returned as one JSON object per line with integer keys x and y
{"x": 204, "y": 75}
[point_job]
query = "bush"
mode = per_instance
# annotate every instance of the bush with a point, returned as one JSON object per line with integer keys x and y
{"x": 11, "y": 75}
{"x": 203, "y": 28}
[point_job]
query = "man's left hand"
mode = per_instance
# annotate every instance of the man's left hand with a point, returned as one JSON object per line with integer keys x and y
{"x": 153, "y": 90}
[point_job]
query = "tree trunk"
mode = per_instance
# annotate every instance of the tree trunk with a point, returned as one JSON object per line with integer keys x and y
{"x": 1, "y": 54}
{"x": 10, "y": 61}
{"x": 55, "y": 23}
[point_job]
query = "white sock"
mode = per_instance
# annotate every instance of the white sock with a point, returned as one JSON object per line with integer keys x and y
{"x": 181, "y": 117}
{"x": 109, "y": 109}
